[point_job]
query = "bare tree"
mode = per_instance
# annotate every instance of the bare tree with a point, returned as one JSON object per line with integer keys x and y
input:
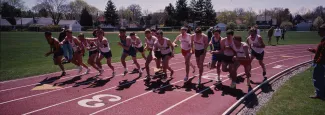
{"x": 54, "y": 7}
{"x": 136, "y": 12}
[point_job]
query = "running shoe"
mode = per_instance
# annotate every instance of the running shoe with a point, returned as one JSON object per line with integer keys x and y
{"x": 87, "y": 71}
{"x": 185, "y": 78}
{"x": 79, "y": 69}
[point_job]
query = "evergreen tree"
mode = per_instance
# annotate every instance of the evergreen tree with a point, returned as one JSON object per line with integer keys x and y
{"x": 142, "y": 21}
{"x": 170, "y": 10}
{"x": 110, "y": 13}
{"x": 210, "y": 14}
{"x": 10, "y": 12}
{"x": 85, "y": 18}
{"x": 182, "y": 11}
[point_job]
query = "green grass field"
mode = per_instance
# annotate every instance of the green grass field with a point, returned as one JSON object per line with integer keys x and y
{"x": 22, "y": 53}
{"x": 293, "y": 98}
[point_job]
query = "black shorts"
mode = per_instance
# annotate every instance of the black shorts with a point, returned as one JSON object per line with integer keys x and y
{"x": 158, "y": 54}
{"x": 198, "y": 53}
{"x": 92, "y": 52}
{"x": 106, "y": 54}
{"x": 228, "y": 59}
{"x": 140, "y": 49}
{"x": 258, "y": 56}
{"x": 217, "y": 57}
{"x": 57, "y": 54}
{"x": 131, "y": 52}
{"x": 164, "y": 55}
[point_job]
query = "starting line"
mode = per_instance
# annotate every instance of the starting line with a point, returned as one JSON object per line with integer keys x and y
{"x": 213, "y": 76}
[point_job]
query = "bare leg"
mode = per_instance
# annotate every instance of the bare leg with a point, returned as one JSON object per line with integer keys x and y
{"x": 218, "y": 70}
{"x": 91, "y": 61}
{"x": 149, "y": 59}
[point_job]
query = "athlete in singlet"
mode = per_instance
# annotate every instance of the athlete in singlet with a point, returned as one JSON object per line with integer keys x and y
{"x": 167, "y": 52}
{"x": 92, "y": 50}
{"x": 242, "y": 57}
{"x": 256, "y": 44}
{"x": 156, "y": 51}
{"x": 200, "y": 44}
{"x": 217, "y": 53}
{"x": 228, "y": 63}
{"x": 128, "y": 50}
{"x": 137, "y": 44}
{"x": 56, "y": 50}
{"x": 185, "y": 40}
{"x": 150, "y": 41}
{"x": 77, "y": 51}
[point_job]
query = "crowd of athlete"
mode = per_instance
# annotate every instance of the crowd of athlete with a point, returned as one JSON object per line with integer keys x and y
{"x": 228, "y": 53}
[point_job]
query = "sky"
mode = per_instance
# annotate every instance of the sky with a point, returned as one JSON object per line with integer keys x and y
{"x": 219, "y": 5}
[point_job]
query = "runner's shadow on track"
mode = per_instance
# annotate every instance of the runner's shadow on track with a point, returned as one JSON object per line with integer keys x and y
{"x": 48, "y": 80}
{"x": 125, "y": 84}
{"x": 251, "y": 101}
{"x": 204, "y": 90}
{"x": 165, "y": 86}
{"x": 100, "y": 82}
{"x": 267, "y": 87}
{"x": 86, "y": 82}
{"x": 240, "y": 79}
{"x": 71, "y": 81}
{"x": 153, "y": 84}
{"x": 226, "y": 90}
{"x": 188, "y": 85}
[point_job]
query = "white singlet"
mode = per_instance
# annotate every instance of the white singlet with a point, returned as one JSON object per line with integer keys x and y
{"x": 256, "y": 43}
{"x": 73, "y": 45}
{"x": 185, "y": 42}
{"x": 164, "y": 47}
{"x": 102, "y": 47}
{"x": 151, "y": 42}
{"x": 199, "y": 45}
{"x": 240, "y": 51}
{"x": 229, "y": 52}
{"x": 133, "y": 42}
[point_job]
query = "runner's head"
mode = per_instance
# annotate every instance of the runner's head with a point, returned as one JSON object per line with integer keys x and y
{"x": 154, "y": 32}
{"x": 132, "y": 35}
{"x": 216, "y": 32}
{"x": 321, "y": 31}
{"x": 147, "y": 33}
{"x": 69, "y": 33}
{"x": 100, "y": 33}
{"x": 81, "y": 36}
{"x": 122, "y": 31}
{"x": 48, "y": 34}
{"x": 253, "y": 32}
{"x": 237, "y": 40}
{"x": 160, "y": 34}
{"x": 198, "y": 31}
{"x": 230, "y": 33}
{"x": 184, "y": 30}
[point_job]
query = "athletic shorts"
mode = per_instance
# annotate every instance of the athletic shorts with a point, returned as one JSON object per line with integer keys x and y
{"x": 185, "y": 52}
{"x": 228, "y": 59}
{"x": 57, "y": 54}
{"x": 217, "y": 57}
{"x": 92, "y": 52}
{"x": 131, "y": 52}
{"x": 198, "y": 53}
{"x": 106, "y": 54}
{"x": 244, "y": 62}
{"x": 158, "y": 54}
{"x": 259, "y": 56}
{"x": 164, "y": 55}
{"x": 140, "y": 49}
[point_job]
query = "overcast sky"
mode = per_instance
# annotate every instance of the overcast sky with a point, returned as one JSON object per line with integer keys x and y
{"x": 256, "y": 5}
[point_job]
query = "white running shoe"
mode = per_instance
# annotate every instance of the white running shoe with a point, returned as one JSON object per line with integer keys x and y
{"x": 185, "y": 78}
{"x": 87, "y": 71}
{"x": 79, "y": 69}
{"x": 218, "y": 79}
{"x": 140, "y": 70}
{"x": 233, "y": 85}
{"x": 101, "y": 72}
{"x": 125, "y": 72}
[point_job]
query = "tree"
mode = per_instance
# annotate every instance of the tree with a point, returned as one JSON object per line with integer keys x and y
{"x": 231, "y": 25}
{"x": 124, "y": 13}
{"x": 19, "y": 4}
{"x": 286, "y": 25}
{"x": 226, "y": 16}
{"x": 54, "y": 7}
{"x": 170, "y": 19}
{"x": 27, "y": 14}
{"x": 110, "y": 13}
{"x": 182, "y": 11}
{"x": 136, "y": 12}
{"x": 77, "y": 5}
{"x": 318, "y": 22}
{"x": 10, "y": 12}
{"x": 149, "y": 17}
{"x": 43, "y": 12}
{"x": 85, "y": 18}
{"x": 142, "y": 21}
{"x": 210, "y": 14}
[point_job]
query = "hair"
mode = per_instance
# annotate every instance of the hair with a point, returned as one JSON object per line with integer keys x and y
{"x": 147, "y": 31}
{"x": 100, "y": 31}
{"x": 153, "y": 30}
{"x": 253, "y": 30}
{"x": 81, "y": 35}
{"x": 160, "y": 32}
{"x": 216, "y": 30}
{"x": 48, "y": 33}
{"x": 238, "y": 38}
{"x": 69, "y": 31}
{"x": 198, "y": 30}
{"x": 132, "y": 34}
{"x": 230, "y": 32}
{"x": 122, "y": 29}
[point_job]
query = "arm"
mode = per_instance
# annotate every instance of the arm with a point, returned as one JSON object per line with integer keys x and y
{"x": 171, "y": 46}
{"x": 206, "y": 42}
{"x": 176, "y": 39}
{"x": 64, "y": 40}
{"x": 261, "y": 42}
{"x": 246, "y": 53}
{"x": 312, "y": 50}
{"x": 128, "y": 44}
{"x": 91, "y": 39}
{"x": 78, "y": 43}
{"x": 192, "y": 43}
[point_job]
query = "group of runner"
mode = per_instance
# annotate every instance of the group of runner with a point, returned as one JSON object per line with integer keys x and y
{"x": 227, "y": 53}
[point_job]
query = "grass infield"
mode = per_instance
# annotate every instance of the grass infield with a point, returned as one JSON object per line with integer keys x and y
{"x": 22, "y": 53}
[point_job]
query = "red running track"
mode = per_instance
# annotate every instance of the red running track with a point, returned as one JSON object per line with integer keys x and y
{"x": 131, "y": 94}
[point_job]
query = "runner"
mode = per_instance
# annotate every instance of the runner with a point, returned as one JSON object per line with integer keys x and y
{"x": 217, "y": 54}
{"x": 150, "y": 40}
{"x": 200, "y": 44}
{"x": 256, "y": 44}
{"x": 128, "y": 50}
{"x": 167, "y": 52}
{"x": 105, "y": 51}
{"x": 92, "y": 48}
{"x": 277, "y": 34}
{"x": 67, "y": 49}
{"x": 270, "y": 34}
{"x": 137, "y": 44}
{"x": 185, "y": 40}
{"x": 77, "y": 51}
{"x": 228, "y": 63}
{"x": 157, "y": 53}
{"x": 242, "y": 57}
{"x": 56, "y": 49}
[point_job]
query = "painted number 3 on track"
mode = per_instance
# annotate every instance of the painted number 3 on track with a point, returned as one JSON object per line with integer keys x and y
{"x": 97, "y": 100}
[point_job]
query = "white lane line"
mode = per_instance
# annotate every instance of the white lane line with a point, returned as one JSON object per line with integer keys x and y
{"x": 2, "y": 82}
{"x": 178, "y": 90}
{"x": 171, "y": 107}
